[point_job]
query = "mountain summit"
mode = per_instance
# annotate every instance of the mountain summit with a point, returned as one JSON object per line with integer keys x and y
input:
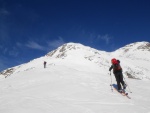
{"x": 135, "y": 47}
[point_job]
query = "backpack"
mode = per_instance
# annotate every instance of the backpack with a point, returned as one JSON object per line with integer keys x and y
{"x": 116, "y": 65}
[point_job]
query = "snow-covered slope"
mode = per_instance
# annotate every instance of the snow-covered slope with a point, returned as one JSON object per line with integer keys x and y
{"x": 76, "y": 80}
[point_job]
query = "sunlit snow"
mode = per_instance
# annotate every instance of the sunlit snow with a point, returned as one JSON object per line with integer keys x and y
{"x": 77, "y": 80}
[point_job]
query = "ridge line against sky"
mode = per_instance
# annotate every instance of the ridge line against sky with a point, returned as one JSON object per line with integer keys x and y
{"x": 30, "y": 29}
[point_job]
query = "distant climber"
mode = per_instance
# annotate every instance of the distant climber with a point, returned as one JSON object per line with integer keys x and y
{"x": 117, "y": 70}
{"x": 45, "y": 64}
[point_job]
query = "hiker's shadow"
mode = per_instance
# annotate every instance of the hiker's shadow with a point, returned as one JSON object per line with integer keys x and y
{"x": 115, "y": 86}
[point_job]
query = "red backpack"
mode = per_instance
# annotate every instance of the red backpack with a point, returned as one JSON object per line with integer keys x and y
{"x": 116, "y": 64}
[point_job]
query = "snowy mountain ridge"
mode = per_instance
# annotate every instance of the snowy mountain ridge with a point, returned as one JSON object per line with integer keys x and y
{"x": 144, "y": 46}
{"x": 134, "y": 58}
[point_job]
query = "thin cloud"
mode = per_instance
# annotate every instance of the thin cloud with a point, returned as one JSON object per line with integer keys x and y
{"x": 11, "y": 52}
{"x": 49, "y": 45}
{"x": 106, "y": 38}
{"x": 14, "y": 52}
{"x": 18, "y": 44}
{"x": 4, "y": 12}
{"x": 34, "y": 45}
{"x": 56, "y": 43}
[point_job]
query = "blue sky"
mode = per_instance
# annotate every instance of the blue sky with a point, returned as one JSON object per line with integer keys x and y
{"x": 31, "y": 28}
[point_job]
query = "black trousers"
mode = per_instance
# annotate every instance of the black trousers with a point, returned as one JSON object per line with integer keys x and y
{"x": 119, "y": 79}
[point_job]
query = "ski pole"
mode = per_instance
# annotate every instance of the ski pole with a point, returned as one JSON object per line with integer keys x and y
{"x": 111, "y": 82}
{"x": 127, "y": 84}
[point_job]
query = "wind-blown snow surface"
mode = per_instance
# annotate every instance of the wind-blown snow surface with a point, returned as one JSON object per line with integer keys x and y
{"x": 76, "y": 80}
